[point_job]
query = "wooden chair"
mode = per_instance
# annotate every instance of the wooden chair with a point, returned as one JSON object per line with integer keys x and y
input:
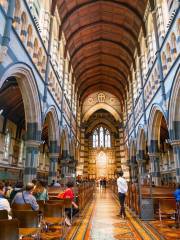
{"x": 41, "y": 205}
{"x": 54, "y": 211}
{"x": 68, "y": 204}
{"x": 54, "y": 218}
{"x": 55, "y": 201}
{"x": 167, "y": 207}
{"x": 9, "y": 229}
{"x": 28, "y": 222}
{"x": 21, "y": 207}
{"x": 3, "y": 214}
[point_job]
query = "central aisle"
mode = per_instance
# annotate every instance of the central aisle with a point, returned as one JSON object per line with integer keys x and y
{"x": 105, "y": 224}
{"x": 100, "y": 221}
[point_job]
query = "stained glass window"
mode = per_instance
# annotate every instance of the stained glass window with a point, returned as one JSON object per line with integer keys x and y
{"x": 101, "y": 138}
{"x": 101, "y": 135}
{"x": 95, "y": 139}
{"x": 107, "y": 139}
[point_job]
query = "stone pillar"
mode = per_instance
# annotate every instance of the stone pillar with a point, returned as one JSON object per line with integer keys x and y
{"x": 33, "y": 136}
{"x": 157, "y": 37}
{"x": 155, "y": 167}
{"x": 6, "y": 36}
{"x": 142, "y": 169}
{"x": 176, "y": 150}
{"x": 48, "y": 59}
{"x": 31, "y": 162}
{"x": 142, "y": 89}
{"x": 53, "y": 157}
{"x": 64, "y": 162}
{"x": 133, "y": 165}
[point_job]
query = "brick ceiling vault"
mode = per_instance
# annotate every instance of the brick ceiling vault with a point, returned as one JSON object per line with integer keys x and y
{"x": 101, "y": 37}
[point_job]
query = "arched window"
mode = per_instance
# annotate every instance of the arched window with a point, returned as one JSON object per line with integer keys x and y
{"x": 173, "y": 44}
{"x": 101, "y": 138}
{"x": 95, "y": 139}
{"x": 107, "y": 139}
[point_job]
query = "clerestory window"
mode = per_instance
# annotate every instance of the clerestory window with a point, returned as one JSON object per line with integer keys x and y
{"x": 101, "y": 138}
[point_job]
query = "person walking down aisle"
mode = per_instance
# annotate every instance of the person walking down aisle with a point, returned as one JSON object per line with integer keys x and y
{"x": 122, "y": 190}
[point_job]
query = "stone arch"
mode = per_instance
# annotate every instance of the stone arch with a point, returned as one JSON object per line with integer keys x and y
{"x": 29, "y": 91}
{"x": 141, "y": 139}
{"x": 64, "y": 142}
{"x": 174, "y": 109}
{"x": 132, "y": 159}
{"x": 72, "y": 148}
{"x": 101, "y": 106}
{"x": 53, "y": 124}
{"x": 101, "y": 121}
{"x": 132, "y": 150}
{"x": 155, "y": 117}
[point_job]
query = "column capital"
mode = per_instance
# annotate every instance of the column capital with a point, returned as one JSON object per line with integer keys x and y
{"x": 141, "y": 161}
{"x": 54, "y": 155}
{"x": 175, "y": 142}
{"x": 32, "y": 143}
{"x": 154, "y": 154}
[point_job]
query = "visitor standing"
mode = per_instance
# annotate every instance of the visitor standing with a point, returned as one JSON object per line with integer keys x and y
{"x": 122, "y": 190}
{"x": 177, "y": 196}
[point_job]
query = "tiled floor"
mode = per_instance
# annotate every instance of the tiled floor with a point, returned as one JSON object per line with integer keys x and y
{"x": 105, "y": 224}
{"x": 100, "y": 222}
{"x": 165, "y": 228}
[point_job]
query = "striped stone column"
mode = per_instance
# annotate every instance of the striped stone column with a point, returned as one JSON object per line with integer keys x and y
{"x": 176, "y": 150}
{"x": 33, "y": 136}
{"x": 64, "y": 162}
{"x": 53, "y": 158}
{"x": 7, "y": 30}
{"x": 80, "y": 166}
{"x": 133, "y": 169}
{"x": 155, "y": 167}
{"x": 86, "y": 158}
{"x": 32, "y": 155}
{"x": 141, "y": 163}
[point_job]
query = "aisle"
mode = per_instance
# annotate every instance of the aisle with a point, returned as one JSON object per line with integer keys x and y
{"x": 100, "y": 222}
{"x": 105, "y": 224}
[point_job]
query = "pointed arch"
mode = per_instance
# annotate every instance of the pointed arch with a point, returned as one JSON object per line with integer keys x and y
{"x": 174, "y": 109}
{"x": 101, "y": 106}
{"x": 53, "y": 124}
{"x": 29, "y": 90}
{"x": 155, "y": 117}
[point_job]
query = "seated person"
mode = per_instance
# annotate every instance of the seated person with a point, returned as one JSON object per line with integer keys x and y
{"x": 17, "y": 188}
{"x": 4, "y": 204}
{"x": 26, "y": 197}
{"x": 57, "y": 184}
{"x": 70, "y": 195}
{"x": 40, "y": 192}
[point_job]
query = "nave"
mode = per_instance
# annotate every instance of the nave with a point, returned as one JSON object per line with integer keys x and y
{"x": 100, "y": 221}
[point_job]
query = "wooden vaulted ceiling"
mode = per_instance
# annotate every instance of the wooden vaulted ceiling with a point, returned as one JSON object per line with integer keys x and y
{"x": 11, "y": 102}
{"x": 101, "y": 37}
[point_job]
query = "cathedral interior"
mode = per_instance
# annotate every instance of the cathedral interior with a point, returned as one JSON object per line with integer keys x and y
{"x": 95, "y": 91}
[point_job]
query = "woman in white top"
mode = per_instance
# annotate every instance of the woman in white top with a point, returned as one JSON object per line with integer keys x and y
{"x": 4, "y": 204}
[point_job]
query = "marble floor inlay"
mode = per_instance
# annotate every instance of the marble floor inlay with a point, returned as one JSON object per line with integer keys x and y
{"x": 99, "y": 221}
